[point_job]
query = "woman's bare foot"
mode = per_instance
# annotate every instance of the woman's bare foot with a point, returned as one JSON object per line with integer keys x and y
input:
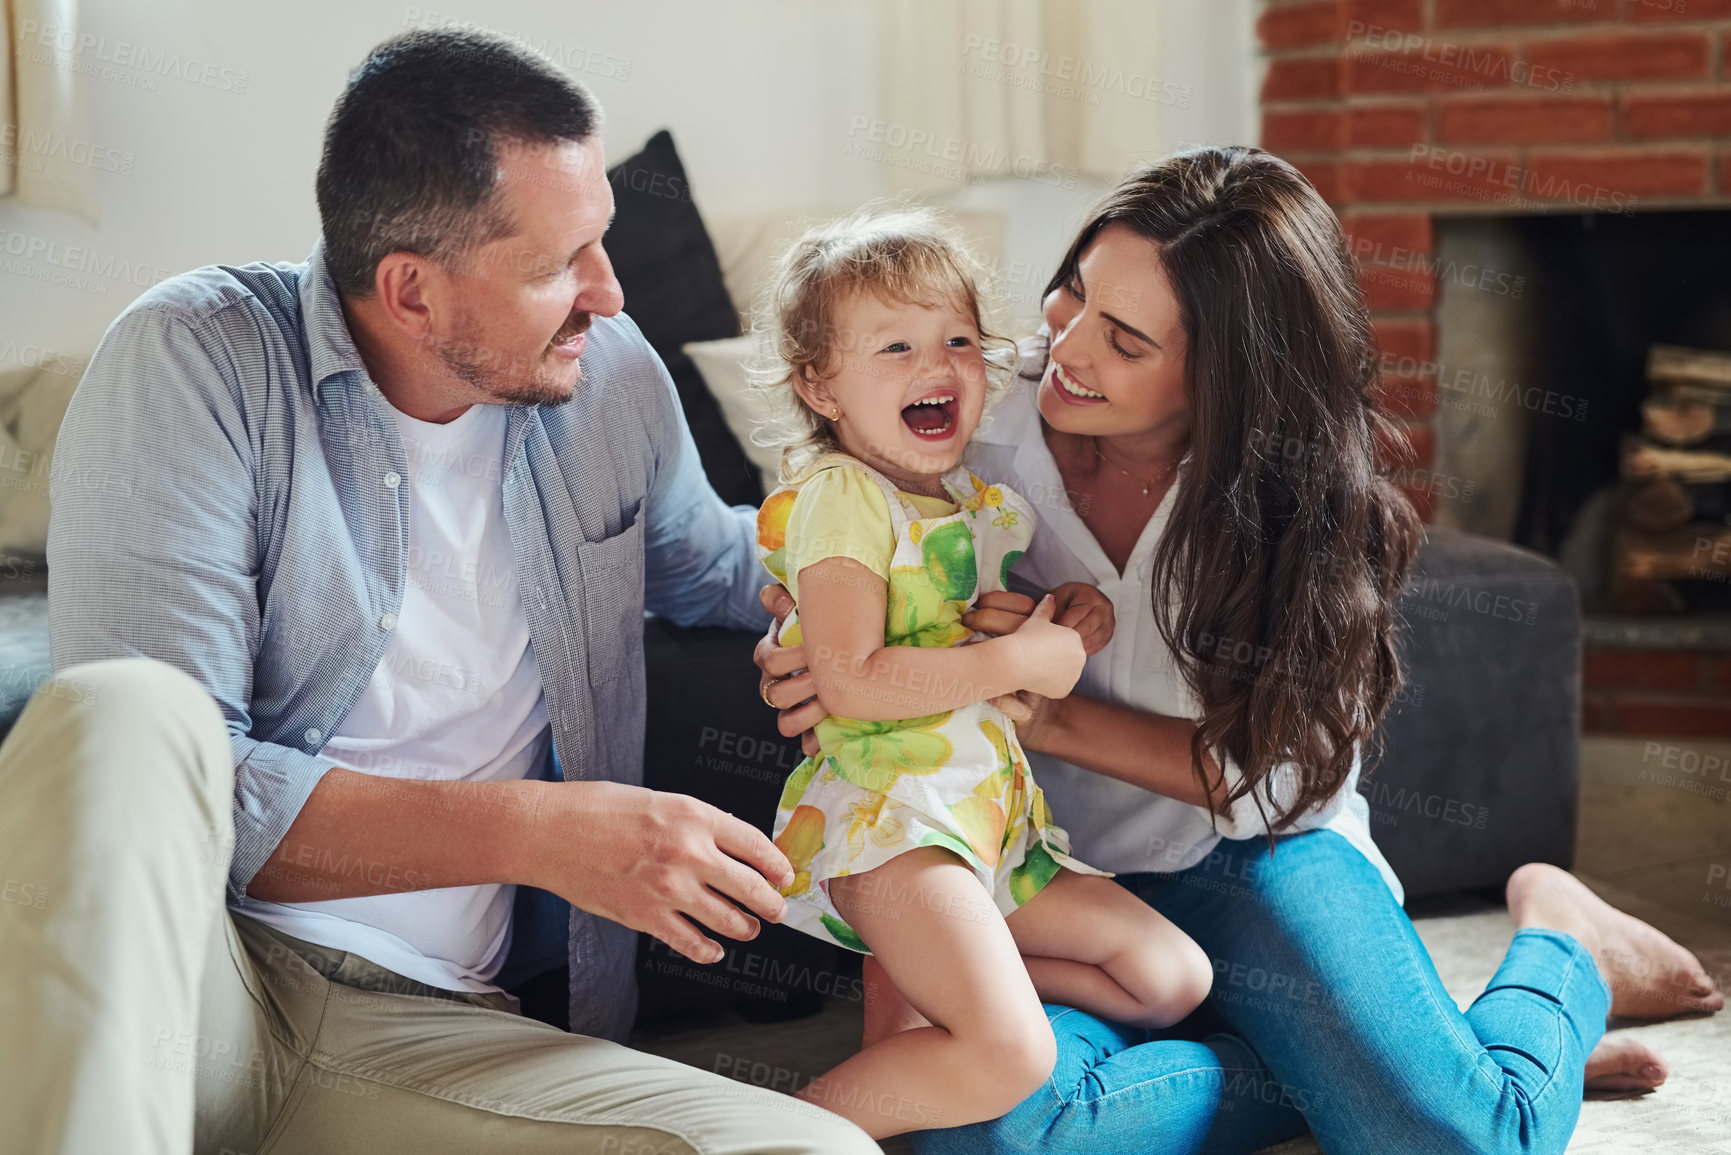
{"x": 1650, "y": 976}
{"x": 886, "y": 1011}
{"x": 1621, "y": 1063}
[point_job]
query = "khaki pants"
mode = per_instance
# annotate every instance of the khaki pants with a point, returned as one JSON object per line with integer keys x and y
{"x": 138, "y": 1015}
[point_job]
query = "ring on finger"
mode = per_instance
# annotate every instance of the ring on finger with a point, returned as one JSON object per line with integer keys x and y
{"x": 763, "y": 692}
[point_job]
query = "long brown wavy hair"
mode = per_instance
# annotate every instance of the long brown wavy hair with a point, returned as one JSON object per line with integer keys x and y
{"x": 1275, "y": 582}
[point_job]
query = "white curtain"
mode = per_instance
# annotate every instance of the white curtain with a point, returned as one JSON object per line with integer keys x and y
{"x": 44, "y": 123}
{"x": 1041, "y": 89}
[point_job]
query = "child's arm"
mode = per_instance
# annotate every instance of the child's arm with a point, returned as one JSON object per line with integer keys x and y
{"x": 841, "y": 615}
{"x": 1082, "y": 607}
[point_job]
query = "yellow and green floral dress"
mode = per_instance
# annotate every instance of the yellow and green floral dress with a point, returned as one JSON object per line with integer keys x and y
{"x": 956, "y": 779}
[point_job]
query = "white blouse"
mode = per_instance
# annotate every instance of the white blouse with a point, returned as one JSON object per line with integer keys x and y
{"x": 1112, "y": 824}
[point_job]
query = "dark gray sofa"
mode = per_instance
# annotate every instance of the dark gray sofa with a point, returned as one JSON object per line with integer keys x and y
{"x": 1476, "y": 774}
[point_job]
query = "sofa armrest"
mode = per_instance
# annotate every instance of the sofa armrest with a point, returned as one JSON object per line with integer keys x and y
{"x": 1478, "y": 768}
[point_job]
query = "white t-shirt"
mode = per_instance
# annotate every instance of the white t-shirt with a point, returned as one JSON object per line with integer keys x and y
{"x": 457, "y": 696}
{"x": 1112, "y": 824}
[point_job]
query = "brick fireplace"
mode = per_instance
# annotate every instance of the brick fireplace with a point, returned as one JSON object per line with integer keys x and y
{"x": 1410, "y": 114}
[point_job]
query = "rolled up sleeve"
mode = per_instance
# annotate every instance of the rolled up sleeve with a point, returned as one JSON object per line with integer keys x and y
{"x": 153, "y": 543}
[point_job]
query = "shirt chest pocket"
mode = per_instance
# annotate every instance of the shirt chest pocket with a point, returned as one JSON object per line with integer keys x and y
{"x": 611, "y": 592}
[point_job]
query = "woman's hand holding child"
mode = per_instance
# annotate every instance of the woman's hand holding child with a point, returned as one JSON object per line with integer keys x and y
{"x": 1088, "y": 611}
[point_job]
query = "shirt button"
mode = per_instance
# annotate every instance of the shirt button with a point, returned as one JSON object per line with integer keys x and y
{"x": 313, "y": 736}
{"x": 388, "y": 621}
{"x": 392, "y": 479}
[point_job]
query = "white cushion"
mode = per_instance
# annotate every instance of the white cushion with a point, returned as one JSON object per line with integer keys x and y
{"x": 722, "y": 364}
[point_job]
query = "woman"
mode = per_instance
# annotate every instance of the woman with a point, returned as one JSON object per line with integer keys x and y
{"x": 1201, "y": 440}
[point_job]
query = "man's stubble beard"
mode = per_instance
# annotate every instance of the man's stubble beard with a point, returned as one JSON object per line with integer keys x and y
{"x": 469, "y": 359}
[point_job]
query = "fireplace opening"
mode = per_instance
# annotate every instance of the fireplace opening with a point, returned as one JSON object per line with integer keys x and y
{"x": 1547, "y": 327}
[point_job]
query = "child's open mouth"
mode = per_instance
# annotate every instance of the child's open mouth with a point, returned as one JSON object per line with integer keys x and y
{"x": 933, "y": 417}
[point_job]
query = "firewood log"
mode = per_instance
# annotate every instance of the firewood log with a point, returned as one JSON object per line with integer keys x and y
{"x": 1704, "y": 368}
{"x": 1658, "y": 504}
{"x": 1683, "y": 416}
{"x": 1694, "y": 551}
{"x": 1642, "y": 459}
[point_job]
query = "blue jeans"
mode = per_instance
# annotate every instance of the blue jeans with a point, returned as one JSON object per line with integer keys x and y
{"x": 1328, "y": 1013}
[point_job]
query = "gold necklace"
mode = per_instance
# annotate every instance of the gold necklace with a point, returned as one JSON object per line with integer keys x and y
{"x": 1147, "y": 486}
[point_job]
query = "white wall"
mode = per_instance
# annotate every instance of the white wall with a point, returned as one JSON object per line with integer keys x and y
{"x": 759, "y": 95}
{"x": 1209, "y": 55}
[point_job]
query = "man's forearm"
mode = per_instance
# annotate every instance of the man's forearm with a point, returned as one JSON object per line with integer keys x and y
{"x": 362, "y": 834}
{"x": 1147, "y": 750}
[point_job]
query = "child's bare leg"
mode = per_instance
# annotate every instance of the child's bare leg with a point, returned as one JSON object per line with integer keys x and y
{"x": 1089, "y": 943}
{"x": 945, "y": 947}
{"x": 886, "y": 1011}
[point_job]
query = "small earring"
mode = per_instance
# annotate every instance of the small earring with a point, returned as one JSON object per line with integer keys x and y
{"x": 836, "y": 416}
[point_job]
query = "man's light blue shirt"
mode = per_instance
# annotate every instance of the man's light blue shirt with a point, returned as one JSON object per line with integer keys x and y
{"x": 231, "y": 496}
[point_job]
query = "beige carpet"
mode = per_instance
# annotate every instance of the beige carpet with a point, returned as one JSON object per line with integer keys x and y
{"x": 1655, "y": 842}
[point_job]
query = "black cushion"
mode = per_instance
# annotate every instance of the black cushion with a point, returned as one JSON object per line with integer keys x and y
{"x": 710, "y": 736}
{"x": 674, "y": 291}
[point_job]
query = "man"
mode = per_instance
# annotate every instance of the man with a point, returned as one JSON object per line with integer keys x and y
{"x": 398, "y": 511}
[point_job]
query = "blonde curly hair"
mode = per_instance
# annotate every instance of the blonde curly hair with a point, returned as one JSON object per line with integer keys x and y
{"x": 902, "y": 255}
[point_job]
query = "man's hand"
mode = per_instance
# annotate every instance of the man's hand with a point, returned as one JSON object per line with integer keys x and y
{"x": 786, "y": 683}
{"x": 653, "y": 860}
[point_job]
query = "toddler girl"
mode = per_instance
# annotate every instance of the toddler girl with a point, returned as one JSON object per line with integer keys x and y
{"x": 917, "y": 831}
